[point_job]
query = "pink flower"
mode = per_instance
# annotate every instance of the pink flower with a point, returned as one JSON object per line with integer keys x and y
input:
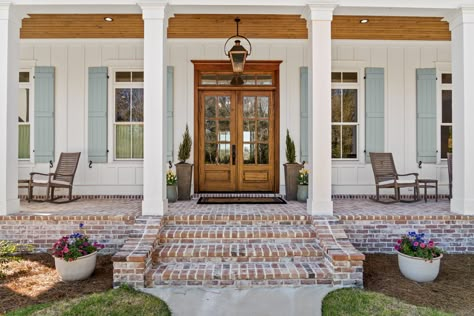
{"x": 416, "y": 244}
{"x": 66, "y": 250}
{"x": 399, "y": 241}
{"x": 422, "y": 245}
{"x": 430, "y": 245}
{"x": 397, "y": 247}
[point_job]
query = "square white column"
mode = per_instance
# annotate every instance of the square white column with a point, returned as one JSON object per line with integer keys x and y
{"x": 319, "y": 19}
{"x": 461, "y": 25}
{"x": 9, "y": 52}
{"x": 154, "y": 161}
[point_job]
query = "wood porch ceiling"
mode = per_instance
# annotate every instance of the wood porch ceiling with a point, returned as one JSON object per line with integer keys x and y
{"x": 42, "y": 26}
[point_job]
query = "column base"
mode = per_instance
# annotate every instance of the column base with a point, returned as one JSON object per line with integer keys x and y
{"x": 11, "y": 206}
{"x": 315, "y": 207}
{"x": 154, "y": 207}
{"x": 464, "y": 207}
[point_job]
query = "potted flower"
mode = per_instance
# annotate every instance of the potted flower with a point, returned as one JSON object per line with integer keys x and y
{"x": 418, "y": 259}
{"x": 291, "y": 169}
{"x": 171, "y": 186}
{"x": 184, "y": 170}
{"x": 303, "y": 177}
{"x": 75, "y": 256}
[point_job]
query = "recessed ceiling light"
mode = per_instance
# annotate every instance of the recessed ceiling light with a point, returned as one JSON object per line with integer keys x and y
{"x": 364, "y": 21}
{"x": 108, "y": 19}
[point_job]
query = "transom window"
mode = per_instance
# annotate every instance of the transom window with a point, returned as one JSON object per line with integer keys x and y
{"x": 128, "y": 122}
{"x": 446, "y": 115}
{"x": 224, "y": 79}
{"x": 344, "y": 115}
{"x": 24, "y": 115}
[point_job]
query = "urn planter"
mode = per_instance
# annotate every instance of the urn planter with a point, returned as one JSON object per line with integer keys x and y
{"x": 419, "y": 269}
{"x": 79, "y": 269}
{"x": 172, "y": 193}
{"x": 291, "y": 180}
{"x": 184, "y": 172}
{"x": 302, "y": 194}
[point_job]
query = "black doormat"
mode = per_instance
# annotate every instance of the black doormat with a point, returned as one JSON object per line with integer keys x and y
{"x": 241, "y": 200}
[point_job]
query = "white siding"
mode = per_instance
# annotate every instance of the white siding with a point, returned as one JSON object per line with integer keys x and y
{"x": 72, "y": 58}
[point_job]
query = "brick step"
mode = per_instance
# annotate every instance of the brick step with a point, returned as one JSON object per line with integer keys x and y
{"x": 243, "y": 274}
{"x": 232, "y": 252}
{"x": 237, "y": 234}
{"x": 275, "y": 218}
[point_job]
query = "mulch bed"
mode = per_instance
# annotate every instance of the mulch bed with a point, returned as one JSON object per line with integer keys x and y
{"x": 34, "y": 280}
{"x": 452, "y": 291}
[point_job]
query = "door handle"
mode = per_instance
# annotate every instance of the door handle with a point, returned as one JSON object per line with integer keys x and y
{"x": 234, "y": 153}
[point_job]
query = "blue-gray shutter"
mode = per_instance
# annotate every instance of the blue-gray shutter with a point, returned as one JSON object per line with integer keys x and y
{"x": 304, "y": 130}
{"x": 169, "y": 112}
{"x": 97, "y": 114}
{"x": 426, "y": 115}
{"x": 374, "y": 111}
{"x": 44, "y": 114}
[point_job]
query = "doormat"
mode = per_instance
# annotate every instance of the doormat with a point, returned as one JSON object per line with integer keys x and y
{"x": 241, "y": 200}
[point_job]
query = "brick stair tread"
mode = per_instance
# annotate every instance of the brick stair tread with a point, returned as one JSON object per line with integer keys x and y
{"x": 189, "y": 271}
{"x": 191, "y": 233}
{"x": 237, "y": 250}
{"x": 184, "y": 218}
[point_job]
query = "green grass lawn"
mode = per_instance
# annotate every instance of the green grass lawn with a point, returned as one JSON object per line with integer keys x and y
{"x": 122, "y": 301}
{"x": 359, "y": 302}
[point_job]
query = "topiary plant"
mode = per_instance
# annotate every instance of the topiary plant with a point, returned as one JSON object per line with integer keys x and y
{"x": 185, "y": 147}
{"x": 290, "y": 149}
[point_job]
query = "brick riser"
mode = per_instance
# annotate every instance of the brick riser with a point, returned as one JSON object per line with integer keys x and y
{"x": 247, "y": 219}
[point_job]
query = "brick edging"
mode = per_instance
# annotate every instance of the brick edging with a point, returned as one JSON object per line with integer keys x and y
{"x": 133, "y": 260}
{"x": 16, "y": 217}
{"x": 404, "y": 217}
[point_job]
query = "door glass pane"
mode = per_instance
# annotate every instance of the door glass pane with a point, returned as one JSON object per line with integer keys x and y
{"x": 137, "y": 105}
{"x": 336, "y": 105}
{"x": 23, "y": 105}
{"x": 224, "y": 80}
{"x": 137, "y": 141}
{"x": 208, "y": 79}
{"x": 122, "y": 105}
{"x": 249, "y": 154}
{"x": 224, "y": 153}
{"x": 446, "y": 141}
{"x": 223, "y": 107}
{"x": 224, "y": 131}
{"x": 210, "y": 153}
{"x": 264, "y": 80}
{"x": 447, "y": 103}
{"x": 446, "y": 78}
{"x": 349, "y": 105}
{"x": 336, "y": 141}
{"x": 123, "y": 148}
{"x": 24, "y": 141}
{"x": 210, "y": 106}
{"x": 262, "y": 106}
{"x": 262, "y": 154}
{"x": 263, "y": 131}
{"x": 349, "y": 141}
{"x": 211, "y": 131}
{"x": 249, "y": 131}
{"x": 249, "y": 107}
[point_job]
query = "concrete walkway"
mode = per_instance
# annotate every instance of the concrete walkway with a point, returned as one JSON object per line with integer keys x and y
{"x": 301, "y": 301}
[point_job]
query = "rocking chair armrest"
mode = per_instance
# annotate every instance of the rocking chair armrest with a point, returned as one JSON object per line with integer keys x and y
{"x": 409, "y": 174}
{"x": 32, "y": 174}
{"x": 64, "y": 175}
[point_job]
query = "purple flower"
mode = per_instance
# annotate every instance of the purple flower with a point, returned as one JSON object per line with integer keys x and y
{"x": 81, "y": 225}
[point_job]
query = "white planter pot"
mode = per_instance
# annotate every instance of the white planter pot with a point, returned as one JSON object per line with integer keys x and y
{"x": 79, "y": 269}
{"x": 419, "y": 269}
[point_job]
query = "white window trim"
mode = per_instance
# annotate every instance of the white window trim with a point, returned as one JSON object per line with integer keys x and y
{"x": 441, "y": 68}
{"x": 359, "y": 86}
{"x": 29, "y": 67}
{"x": 112, "y": 85}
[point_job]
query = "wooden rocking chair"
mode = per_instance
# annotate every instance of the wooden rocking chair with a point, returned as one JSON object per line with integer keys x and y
{"x": 386, "y": 177}
{"x": 62, "y": 178}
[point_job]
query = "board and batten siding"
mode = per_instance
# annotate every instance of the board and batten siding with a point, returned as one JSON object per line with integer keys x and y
{"x": 72, "y": 58}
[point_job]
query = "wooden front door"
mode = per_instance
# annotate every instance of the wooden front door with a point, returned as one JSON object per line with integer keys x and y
{"x": 236, "y": 151}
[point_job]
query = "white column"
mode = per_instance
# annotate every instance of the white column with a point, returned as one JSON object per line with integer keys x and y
{"x": 319, "y": 19}
{"x": 154, "y": 164}
{"x": 9, "y": 52}
{"x": 461, "y": 25}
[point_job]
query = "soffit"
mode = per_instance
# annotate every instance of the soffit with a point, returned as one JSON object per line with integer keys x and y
{"x": 41, "y": 26}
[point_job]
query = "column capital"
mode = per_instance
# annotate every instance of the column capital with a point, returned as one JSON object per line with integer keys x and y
{"x": 9, "y": 12}
{"x": 155, "y": 9}
{"x": 465, "y": 14}
{"x": 321, "y": 11}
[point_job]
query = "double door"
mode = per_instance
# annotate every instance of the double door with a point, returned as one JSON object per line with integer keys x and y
{"x": 236, "y": 141}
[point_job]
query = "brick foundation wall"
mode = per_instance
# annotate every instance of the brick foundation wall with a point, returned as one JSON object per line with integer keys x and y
{"x": 43, "y": 231}
{"x": 378, "y": 234}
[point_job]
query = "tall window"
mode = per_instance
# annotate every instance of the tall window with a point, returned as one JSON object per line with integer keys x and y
{"x": 128, "y": 125}
{"x": 446, "y": 115}
{"x": 24, "y": 115}
{"x": 344, "y": 113}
